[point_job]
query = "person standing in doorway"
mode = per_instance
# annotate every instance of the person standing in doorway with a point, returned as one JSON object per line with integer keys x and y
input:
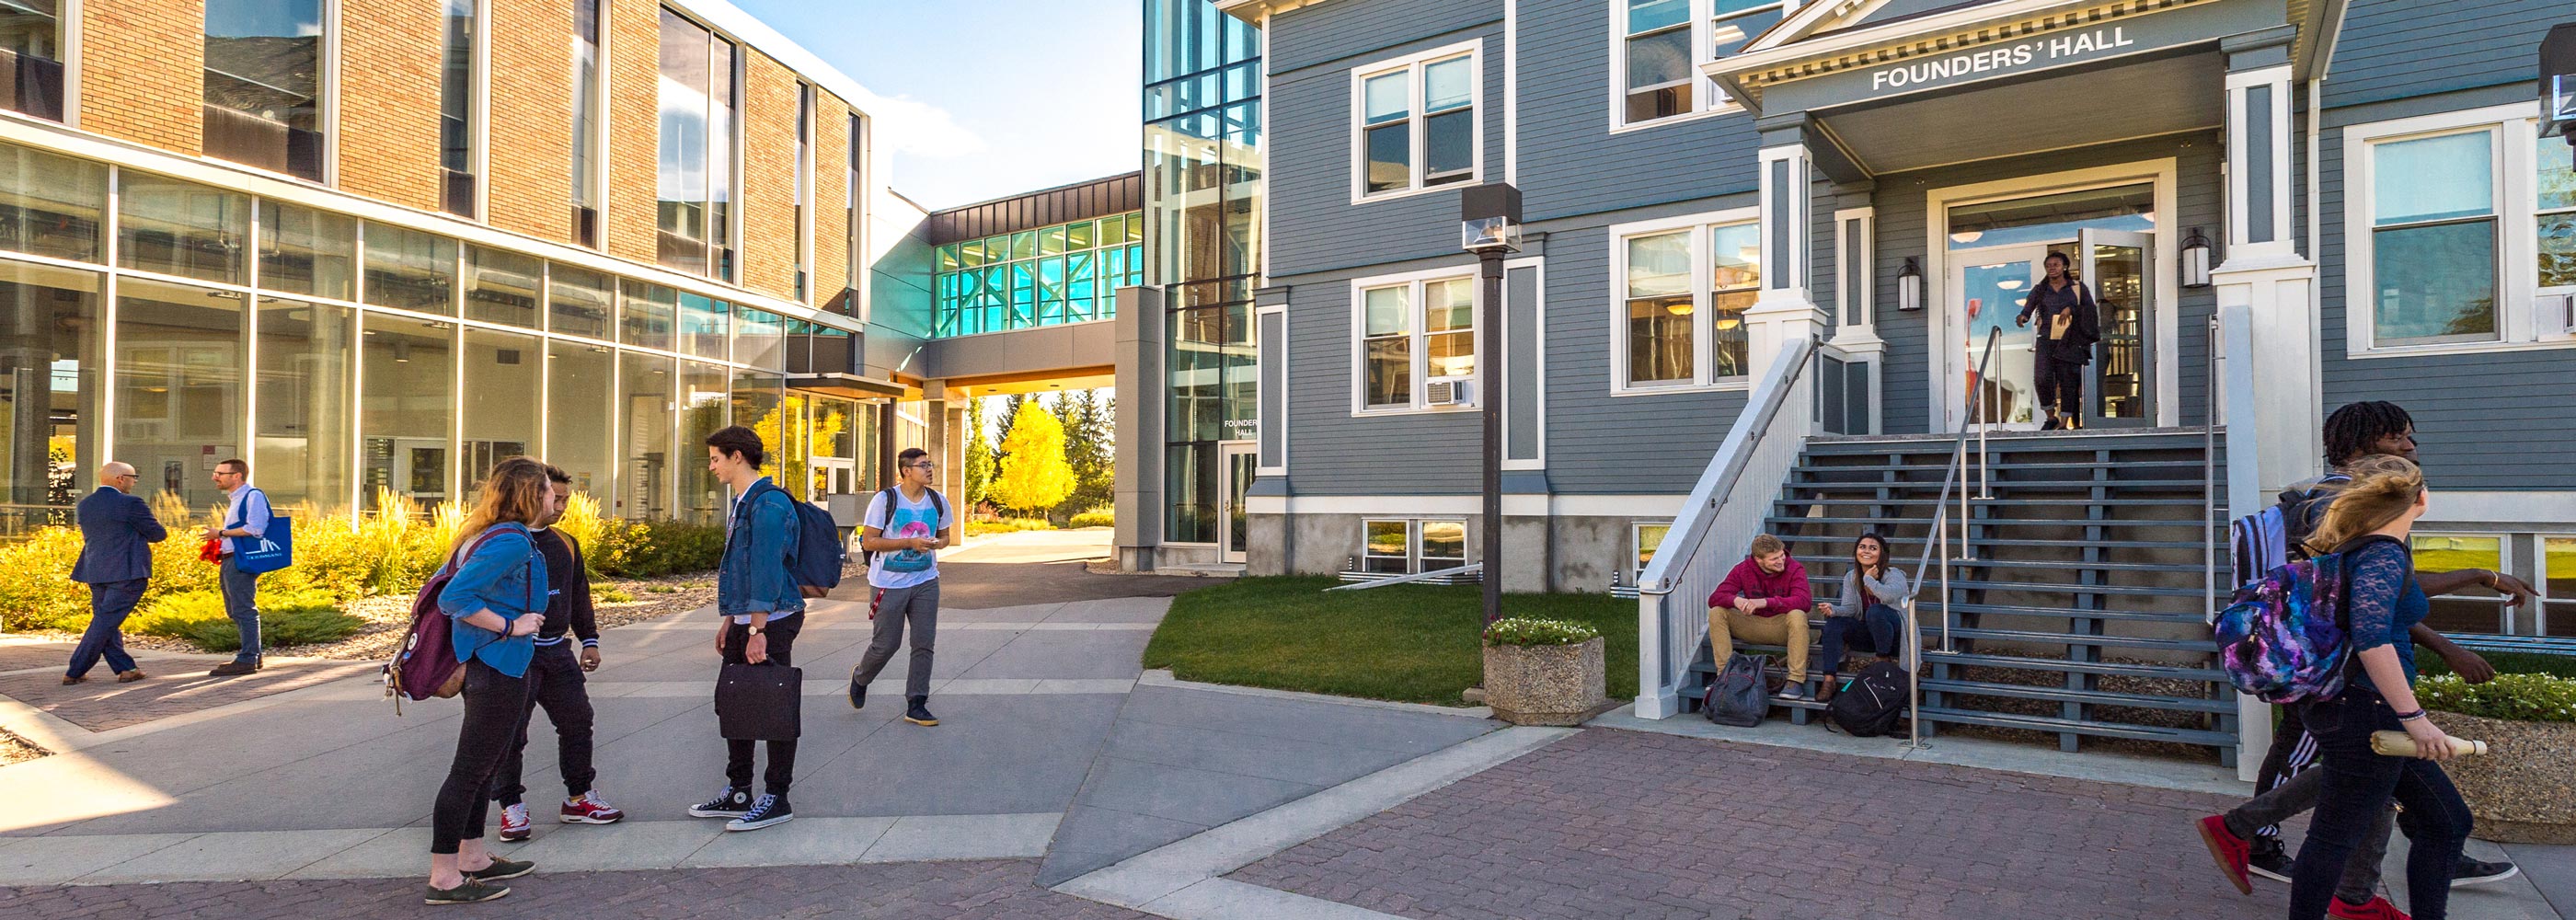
{"x": 556, "y": 681}
{"x": 245, "y": 516}
{"x": 117, "y": 533}
{"x": 2069, "y": 323}
{"x": 761, "y": 610}
{"x": 905, "y": 528}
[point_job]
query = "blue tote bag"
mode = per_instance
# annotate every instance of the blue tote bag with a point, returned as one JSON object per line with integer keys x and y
{"x": 267, "y": 553}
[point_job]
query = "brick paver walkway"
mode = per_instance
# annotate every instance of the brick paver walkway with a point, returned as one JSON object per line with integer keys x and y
{"x": 1633, "y": 825}
{"x": 54, "y": 655}
{"x": 176, "y": 687}
{"x": 912, "y": 891}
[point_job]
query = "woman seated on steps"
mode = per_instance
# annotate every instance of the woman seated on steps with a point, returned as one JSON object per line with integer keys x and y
{"x": 1867, "y": 617}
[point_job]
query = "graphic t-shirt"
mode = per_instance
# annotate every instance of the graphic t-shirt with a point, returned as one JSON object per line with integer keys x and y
{"x": 908, "y": 518}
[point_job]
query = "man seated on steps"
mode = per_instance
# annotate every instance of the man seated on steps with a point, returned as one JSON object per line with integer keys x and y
{"x": 1764, "y": 600}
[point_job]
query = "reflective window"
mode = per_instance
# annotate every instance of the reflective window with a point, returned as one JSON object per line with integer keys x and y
{"x": 980, "y": 286}
{"x": 1190, "y": 484}
{"x": 1418, "y": 125}
{"x": 1386, "y": 547}
{"x": 304, "y": 251}
{"x": 804, "y": 203}
{"x": 695, "y": 177}
{"x": 1659, "y": 306}
{"x": 1682, "y": 316}
{"x": 579, "y": 302}
{"x": 51, "y": 205}
{"x": 646, "y": 314}
{"x": 52, "y": 347}
{"x": 180, "y": 393}
{"x": 643, "y": 446}
{"x": 2474, "y": 609}
{"x": 504, "y": 402}
{"x": 1444, "y": 545}
{"x": 31, "y": 58}
{"x": 703, "y": 409}
{"x": 405, "y": 395}
{"x": 181, "y": 228}
{"x": 410, "y": 270}
{"x": 1417, "y": 339}
{"x": 580, "y": 398}
{"x": 1386, "y": 347}
{"x": 702, "y": 325}
{"x": 759, "y": 338}
{"x": 456, "y": 107}
{"x": 501, "y": 286}
{"x": 1668, "y": 41}
{"x": 2555, "y": 211}
{"x": 758, "y": 402}
{"x": 1648, "y": 539}
{"x": 585, "y": 124}
{"x": 2433, "y": 239}
{"x": 307, "y": 354}
{"x": 263, "y": 95}
{"x": 2558, "y": 577}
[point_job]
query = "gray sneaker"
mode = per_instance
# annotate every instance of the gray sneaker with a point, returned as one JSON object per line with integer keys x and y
{"x": 1795, "y": 691}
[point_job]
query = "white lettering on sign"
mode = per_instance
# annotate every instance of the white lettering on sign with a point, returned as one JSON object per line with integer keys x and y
{"x": 1992, "y": 59}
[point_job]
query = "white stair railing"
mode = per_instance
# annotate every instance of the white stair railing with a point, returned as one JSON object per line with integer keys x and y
{"x": 1717, "y": 524}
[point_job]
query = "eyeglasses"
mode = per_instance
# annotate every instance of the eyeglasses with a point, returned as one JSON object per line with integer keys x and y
{"x": 924, "y": 466}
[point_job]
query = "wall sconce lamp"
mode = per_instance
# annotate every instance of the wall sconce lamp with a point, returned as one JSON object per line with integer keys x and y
{"x": 1909, "y": 287}
{"x": 2195, "y": 260}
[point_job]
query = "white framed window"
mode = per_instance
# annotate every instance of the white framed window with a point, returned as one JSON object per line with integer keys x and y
{"x": 1404, "y": 546}
{"x": 2475, "y": 609}
{"x": 2557, "y": 584}
{"x": 1415, "y": 124}
{"x": 1413, "y": 347}
{"x": 1657, "y": 48}
{"x": 2460, "y": 231}
{"x": 1679, "y": 289}
{"x": 1645, "y": 537}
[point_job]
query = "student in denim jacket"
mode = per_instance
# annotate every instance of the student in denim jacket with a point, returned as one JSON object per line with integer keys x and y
{"x": 760, "y": 608}
{"x": 496, "y": 603}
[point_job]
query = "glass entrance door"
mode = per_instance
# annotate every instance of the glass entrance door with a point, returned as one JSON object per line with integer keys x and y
{"x": 1987, "y": 287}
{"x": 1236, "y": 460}
{"x": 2116, "y": 265}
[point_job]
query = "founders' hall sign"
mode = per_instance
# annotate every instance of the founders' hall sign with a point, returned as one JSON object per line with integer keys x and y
{"x": 2059, "y": 49}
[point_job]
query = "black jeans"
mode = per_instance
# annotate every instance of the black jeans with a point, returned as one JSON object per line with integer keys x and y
{"x": 555, "y": 681}
{"x": 493, "y": 702}
{"x": 782, "y": 754}
{"x": 1879, "y": 629}
{"x": 2358, "y": 786}
{"x": 2061, "y": 386}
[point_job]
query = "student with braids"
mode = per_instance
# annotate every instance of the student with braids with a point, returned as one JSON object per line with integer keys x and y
{"x": 2246, "y": 841}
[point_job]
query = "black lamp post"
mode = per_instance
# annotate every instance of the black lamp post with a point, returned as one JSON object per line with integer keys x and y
{"x": 1489, "y": 225}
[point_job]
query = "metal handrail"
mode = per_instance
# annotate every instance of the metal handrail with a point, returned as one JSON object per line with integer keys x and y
{"x": 1937, "y": 537}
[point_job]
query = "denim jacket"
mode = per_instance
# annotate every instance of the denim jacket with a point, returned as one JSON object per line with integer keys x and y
{"x": 759, "y": 544}
{"x": 507, "y": 576}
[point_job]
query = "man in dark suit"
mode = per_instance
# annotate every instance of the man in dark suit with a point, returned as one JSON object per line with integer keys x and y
{"x": 117, "y": 533}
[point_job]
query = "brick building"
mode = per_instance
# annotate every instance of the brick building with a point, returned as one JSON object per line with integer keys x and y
{"x": 376, "y": 245}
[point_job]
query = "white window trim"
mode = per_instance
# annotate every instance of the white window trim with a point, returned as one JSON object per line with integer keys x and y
{"x": 2540, "y": 567}
{"x": 1704, "y": 91}
{"x": 1414, "y": 64}
{"x": 1410, "y": 535}
{"x": 1360, "y": 407}
{"x": 1414, "y": 530}
{"x": 2519, "y": 324}
{"x": 1702, "y": 335}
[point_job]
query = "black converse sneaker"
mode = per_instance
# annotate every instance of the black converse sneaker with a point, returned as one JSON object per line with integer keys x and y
{"x": 770, "y": 809}
{"x": 731, "y": 803}
{"x": 919, "y": 712}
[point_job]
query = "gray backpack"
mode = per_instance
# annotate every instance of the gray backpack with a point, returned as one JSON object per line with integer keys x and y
{"x": 1735, "y": 697}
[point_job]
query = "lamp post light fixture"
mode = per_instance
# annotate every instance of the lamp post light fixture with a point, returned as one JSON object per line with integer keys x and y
{"x": 1909, "y": 287}
{"x": 1489, "y": 225}
{"x": 2195, "y": 259}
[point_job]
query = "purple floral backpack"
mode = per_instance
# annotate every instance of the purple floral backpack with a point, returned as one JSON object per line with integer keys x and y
{"x": 2285, "y": 638}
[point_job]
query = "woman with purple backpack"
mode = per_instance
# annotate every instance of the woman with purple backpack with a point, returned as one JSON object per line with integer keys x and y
{"x": 2368, "y": 524}
{"x": 495, "y": 604}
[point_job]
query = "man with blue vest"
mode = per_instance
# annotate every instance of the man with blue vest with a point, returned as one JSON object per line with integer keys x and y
{"x": 117, "y": 533}
{"x": 245, "y": 515}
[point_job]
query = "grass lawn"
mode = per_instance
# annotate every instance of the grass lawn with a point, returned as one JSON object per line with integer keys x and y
{"x": 1408, "y": 643}
{"x": 2430, "y": 664}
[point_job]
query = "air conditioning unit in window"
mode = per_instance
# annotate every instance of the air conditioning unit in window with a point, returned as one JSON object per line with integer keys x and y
{"x": 1450, "y": 391}
{"x": 2559, "y": 308}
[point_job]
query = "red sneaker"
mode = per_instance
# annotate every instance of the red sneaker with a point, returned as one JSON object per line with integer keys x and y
{"x": 590, "y": 809}
{"x": 514, "y": 822}
{"x": 2229, "y": 850}
{"x": 2377, "y": 909}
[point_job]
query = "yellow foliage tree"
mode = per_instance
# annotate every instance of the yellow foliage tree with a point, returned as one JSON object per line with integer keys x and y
{"x": 1035, "y": 475}
{"x": 794, "y": 431}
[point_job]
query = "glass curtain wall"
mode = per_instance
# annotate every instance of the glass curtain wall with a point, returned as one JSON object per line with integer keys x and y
{"x": 695, "y": 177}
{"x": 1068, "y": 273}
{"x": 458, "y": 23}
{"x": 585, "y": 124}
{"x": 410, "y": 369}
{"x": 31, "y": 58}
{"x": 1203, "y": 187}
{"x": 263, "y": 104}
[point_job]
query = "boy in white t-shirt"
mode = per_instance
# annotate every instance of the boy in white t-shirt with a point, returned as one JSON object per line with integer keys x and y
{"x": 905, "y": 527}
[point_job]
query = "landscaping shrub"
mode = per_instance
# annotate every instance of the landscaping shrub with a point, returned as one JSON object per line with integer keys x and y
{"x": 1530, "y": 631}
{"x": 2521, "y": 697}
{"x": 1097, "y": 517}
{"x": 36, "y": 589}
{"x": 1006, "y": 525}
{"x": 297, "y": 618}
{"x": 2430, "y": 664}
{"x": 611, "y": 595}
{"x": 657, "y": 548}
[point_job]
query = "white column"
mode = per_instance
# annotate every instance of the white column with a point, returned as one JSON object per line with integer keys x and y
{"x": 1785, "y": 309}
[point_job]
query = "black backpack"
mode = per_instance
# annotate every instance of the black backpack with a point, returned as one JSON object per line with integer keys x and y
{"x": 868, "y": 557}
{"x": 1735, "y": 697}
{"x": 1870, "y": 706}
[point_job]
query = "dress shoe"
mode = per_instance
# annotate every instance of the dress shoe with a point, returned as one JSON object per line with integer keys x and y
{"x": 130, "y": 676}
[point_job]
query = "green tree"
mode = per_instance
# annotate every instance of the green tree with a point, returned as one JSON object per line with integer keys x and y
{"x": 1034, "y": 475}
{"x": 1087, "y": 440}
{"x": 979, "y": 454}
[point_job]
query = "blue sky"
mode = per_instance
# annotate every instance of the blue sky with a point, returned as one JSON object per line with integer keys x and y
{"x": 987, "y": 97}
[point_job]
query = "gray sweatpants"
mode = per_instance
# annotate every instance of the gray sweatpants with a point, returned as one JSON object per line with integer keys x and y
{"x": 920, "y": 605}
{"x": 2299, "y": 794}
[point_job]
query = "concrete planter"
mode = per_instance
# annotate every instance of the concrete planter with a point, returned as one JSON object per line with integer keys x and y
{"x": 1544, "y": 684}
{"x": 2525, "y": 790}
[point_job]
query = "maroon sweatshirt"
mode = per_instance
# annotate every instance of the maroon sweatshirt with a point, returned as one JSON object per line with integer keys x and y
{"x": 1789, "y": 588}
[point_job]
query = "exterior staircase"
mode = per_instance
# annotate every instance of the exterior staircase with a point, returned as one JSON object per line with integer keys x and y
{"x": 2079, "y": 608}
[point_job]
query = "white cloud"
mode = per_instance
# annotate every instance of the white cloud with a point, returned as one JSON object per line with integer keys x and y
{"x": 922, "y": 129}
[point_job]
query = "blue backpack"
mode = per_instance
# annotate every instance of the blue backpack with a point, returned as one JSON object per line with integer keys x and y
{"x": 2285, "y": 638}
{"x": 818, "y": 556}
